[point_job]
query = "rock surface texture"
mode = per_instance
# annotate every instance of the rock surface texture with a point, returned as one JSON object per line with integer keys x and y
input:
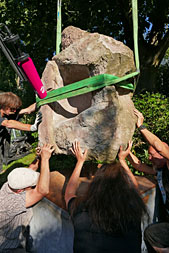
{"x": 101, "y": 120}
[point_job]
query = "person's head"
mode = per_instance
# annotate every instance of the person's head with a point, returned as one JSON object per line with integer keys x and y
{"x": 112, "y": 200}
{"x": 21, "y": 179}
{"x": 9, "y": 102}
{"x": 157, "y": 160}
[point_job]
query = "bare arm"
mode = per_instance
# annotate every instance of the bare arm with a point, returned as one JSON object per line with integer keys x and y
{"x": 122, "y": 155}
{"x": 16, "y": 125}
{"x": 74, "y": 179}
{"x": 151, "y": 138}
{"x": 156, "y": 143}
{"x": 28, "y": 110}
{"x": 21, "y": 126}
{"x": 42, "y": 187}
{"x": 138, "y": 165}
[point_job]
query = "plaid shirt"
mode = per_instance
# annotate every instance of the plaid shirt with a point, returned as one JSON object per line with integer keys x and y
{"x": 14, "y": 217}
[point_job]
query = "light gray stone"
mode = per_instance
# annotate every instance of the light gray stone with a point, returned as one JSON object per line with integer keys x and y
{"x": 101, "y": 120}
{"x": 70, "y": 34}
{"x": 92, "y": 54}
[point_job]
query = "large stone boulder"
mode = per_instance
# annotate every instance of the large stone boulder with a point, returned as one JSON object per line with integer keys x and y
{"x": 101, "y": 120}
{"x": 70, "y": 34}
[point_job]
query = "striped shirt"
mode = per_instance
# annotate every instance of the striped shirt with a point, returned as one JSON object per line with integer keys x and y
{"x": 14, "y": 217}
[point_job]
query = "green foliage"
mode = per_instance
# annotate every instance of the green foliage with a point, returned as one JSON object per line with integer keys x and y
{"x": 155, "y": 108}
{"x": 163, "y": 78}
{"x": 163, "y": 75}
{"x": 35, "y": 22}
{"x": 33, "y": 138}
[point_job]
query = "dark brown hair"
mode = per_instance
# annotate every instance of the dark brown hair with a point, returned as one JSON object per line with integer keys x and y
{"x": 113, "y": 203}
{"x": 9, "y": 100}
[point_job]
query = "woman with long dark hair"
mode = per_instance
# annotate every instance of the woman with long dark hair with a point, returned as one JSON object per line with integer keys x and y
{"x": 107, "y": 218}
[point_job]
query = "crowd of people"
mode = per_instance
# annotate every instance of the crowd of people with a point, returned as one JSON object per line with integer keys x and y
{"x": 108, "y": 216}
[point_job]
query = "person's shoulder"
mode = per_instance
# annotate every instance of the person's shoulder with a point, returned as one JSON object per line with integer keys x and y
{"x": 6, "y": 196}
{"x": 4, "y": 187}
{"x": 14, "y": 202}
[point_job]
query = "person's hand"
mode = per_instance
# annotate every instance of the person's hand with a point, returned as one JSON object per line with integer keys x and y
{"x": 46, "y": 151}
{"x": 38, "y": 120}
{"x": 124, "y": 153}
{"x": 25, "y": 111}
{"x": 140, "y": 117}
{"x": 76, "y": 150}
{"x": 28, "y": 110}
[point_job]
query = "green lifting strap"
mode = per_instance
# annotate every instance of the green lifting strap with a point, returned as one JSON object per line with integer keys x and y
{"x": 59, "y": 27}
{"x": 99, "y": 81}
{"x": 85, "y": 86}
{"x": 135, "y": 32}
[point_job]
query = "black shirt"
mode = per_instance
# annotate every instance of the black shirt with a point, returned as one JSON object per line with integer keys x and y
{"x": 2, "y": 128}
{"x": 4, "y": 142}
{"x": 90, "y": 239}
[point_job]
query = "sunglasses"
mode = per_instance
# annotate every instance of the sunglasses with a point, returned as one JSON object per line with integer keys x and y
{"x": 13, "y": 109}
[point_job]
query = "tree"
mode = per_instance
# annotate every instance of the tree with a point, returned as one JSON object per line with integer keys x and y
{"x": 36, "y": 28}
{"x": 115, "y": 18}
{"x": 35, "y": 22}
{"x": 163, "y": 75}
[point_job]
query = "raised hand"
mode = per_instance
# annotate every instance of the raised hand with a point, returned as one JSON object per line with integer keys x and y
{"x": 76, "y": 150}
{"x": 140, "y": 118}
{"x": 46, "y": 151}
{"x": 124, "y": 153}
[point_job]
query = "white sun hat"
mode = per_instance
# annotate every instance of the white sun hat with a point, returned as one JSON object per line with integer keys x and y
{"x": 21, "y": 178}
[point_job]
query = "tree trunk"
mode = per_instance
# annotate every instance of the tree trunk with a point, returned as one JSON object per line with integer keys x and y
{"x": 150, "y": 59}
{"x": 147, "y": 79}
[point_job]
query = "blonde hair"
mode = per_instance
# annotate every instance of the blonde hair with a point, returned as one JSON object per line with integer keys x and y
{"x": 9, "y": 100}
